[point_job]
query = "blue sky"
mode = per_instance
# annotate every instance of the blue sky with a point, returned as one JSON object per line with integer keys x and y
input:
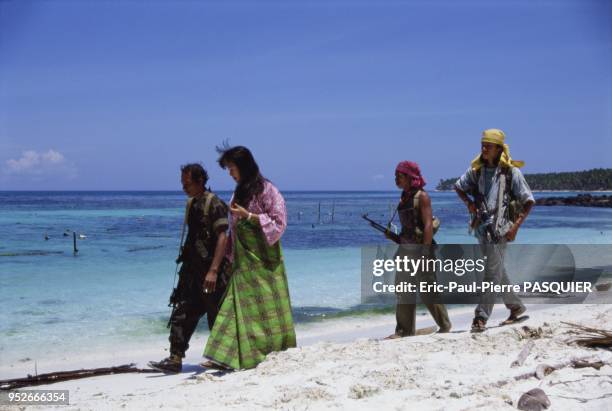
{"x": 328, "y": 95}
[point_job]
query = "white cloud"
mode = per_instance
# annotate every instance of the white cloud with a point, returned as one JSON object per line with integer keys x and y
{"x": 38, "y": 166}
{"x": 378, "y": 177}
{"x": 52, "y": 157}
{"x": 32, "y": 162}
{"x": 28, "y": 160}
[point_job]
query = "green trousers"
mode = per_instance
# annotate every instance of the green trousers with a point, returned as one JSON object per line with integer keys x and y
{"x": 405, "y": 316}
{"x": 405, "y": 310}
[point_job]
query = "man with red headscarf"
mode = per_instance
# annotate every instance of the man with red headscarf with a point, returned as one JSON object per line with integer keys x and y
{"x": 417, "y": 222}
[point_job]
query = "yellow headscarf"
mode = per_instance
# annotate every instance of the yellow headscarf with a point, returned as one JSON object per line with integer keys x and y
{"x": 496, "y": 136}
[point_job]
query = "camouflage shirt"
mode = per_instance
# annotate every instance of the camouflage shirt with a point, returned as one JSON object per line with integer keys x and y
{"x": 204, "y": 222}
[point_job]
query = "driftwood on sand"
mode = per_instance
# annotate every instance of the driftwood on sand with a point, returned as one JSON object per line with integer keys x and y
{"x": 523, "y": 354}
{"x": 590, "y": 337}
{"x": 53, "y": 377}
{"x": 543, "y": 370}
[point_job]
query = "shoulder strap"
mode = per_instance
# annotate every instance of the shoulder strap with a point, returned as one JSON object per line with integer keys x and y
{"x": 509, "y": 181}
{"x": 501, "y": 191}
{"x": 187, "y": 208}
{"x": 209, "y": 198}
{"x": 476, "y": 193}
{"x": 416, "y": 210}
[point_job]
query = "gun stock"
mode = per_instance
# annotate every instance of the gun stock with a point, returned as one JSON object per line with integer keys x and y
{"x": 391, "y": 235}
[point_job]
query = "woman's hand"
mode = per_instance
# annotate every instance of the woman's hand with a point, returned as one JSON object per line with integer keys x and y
{"x": 238, "y": 211}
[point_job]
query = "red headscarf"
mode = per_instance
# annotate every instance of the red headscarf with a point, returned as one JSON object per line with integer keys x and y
{"x": 413, "y": 171}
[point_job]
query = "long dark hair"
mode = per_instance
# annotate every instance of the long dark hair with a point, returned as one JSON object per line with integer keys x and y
{"x": 251, "y": 181}
{"x": 497, "y": 159}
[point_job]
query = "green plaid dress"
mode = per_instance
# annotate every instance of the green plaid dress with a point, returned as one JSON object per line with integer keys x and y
{"x": 255, "y": 316}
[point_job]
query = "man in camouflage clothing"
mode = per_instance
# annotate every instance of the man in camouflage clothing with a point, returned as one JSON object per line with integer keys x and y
{"x": 201, "y": 278}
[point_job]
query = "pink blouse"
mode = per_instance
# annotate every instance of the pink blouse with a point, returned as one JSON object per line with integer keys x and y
{"x": 270, "y": 206}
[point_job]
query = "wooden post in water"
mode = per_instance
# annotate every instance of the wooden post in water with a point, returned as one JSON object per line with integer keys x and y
{"x": 319, "y": 216}
{"x": 74, "y": 243}
{"x": 333, "y": 210}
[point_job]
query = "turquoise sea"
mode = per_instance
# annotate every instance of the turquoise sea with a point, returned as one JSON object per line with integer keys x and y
{"x": 116, "y": 288}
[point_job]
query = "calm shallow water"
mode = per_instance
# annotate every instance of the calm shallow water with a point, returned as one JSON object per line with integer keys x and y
{"x": 116, "y": 288}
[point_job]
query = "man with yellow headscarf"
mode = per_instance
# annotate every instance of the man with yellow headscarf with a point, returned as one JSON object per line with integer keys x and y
{"x": 489, "y": 186}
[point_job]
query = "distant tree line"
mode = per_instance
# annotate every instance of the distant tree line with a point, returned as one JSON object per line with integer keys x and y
{"x": 588, "y": 180}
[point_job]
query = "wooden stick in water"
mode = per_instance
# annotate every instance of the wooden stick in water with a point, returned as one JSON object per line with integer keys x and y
{"x": 74, "y": 243}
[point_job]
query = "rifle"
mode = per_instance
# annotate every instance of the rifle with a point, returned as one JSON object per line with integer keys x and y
{"x": 483, "y": 214}
{"x": 390, "y": 234}
{"x": 174, "y": 297}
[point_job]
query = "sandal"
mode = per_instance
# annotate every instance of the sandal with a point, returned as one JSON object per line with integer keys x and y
{"x": 213, "y": 365}
{"x": 515, "y": 316}
{"x": 393, "y": 336}
{"x": 479, "y": 325}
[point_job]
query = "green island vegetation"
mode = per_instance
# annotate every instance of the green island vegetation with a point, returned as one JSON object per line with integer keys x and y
{"x": 597, "y": 179}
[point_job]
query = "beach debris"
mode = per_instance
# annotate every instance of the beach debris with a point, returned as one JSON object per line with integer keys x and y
{"x": 585, "y": 400}
{"x": 587, "y": 364}
{"x": 523, "y": 354}
{"x": 603, "y": 287}
{"x": 534, "y": 400}
{"x": 550, "y": 383}
{"x": 543, "y": 370}
{"x": 53, "y": 377}
{"x": 359, "y": 391}
{"x": 589, "y": 336}
{"x": 528, "y": 333}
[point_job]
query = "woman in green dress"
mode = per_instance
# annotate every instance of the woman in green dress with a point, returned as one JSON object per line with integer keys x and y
{"x": 255, "y": 316}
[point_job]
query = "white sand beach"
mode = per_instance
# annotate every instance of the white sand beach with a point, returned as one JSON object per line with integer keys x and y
{"x": 342, "y": 364}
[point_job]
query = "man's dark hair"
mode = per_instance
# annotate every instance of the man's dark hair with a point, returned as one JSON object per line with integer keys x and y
{"x": 251, "y": 181}
{"x": 197, "y": 172}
